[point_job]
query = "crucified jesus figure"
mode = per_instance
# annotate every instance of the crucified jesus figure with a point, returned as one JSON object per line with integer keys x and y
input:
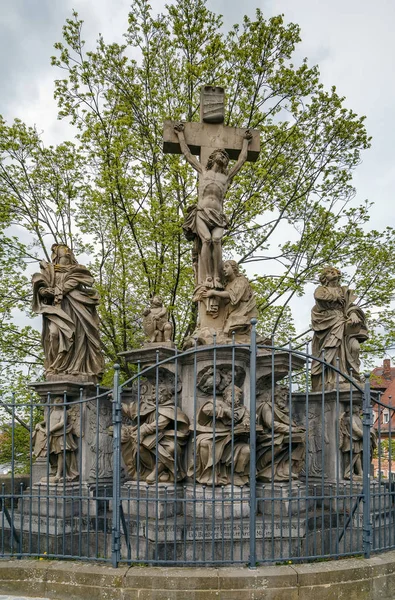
{"x": 207, "y": 220}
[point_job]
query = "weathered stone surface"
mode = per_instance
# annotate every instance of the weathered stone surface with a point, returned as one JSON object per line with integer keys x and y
{"x": 336, "y": 317}
{"x": 150, "y": 501}
{"x": 323, "y": 412}
{"x": 156, "y": 324}
{"x": 350, "y": 579}
{"x": 222, "y": 458}
{"x": 281, "y": 442}
{"x": 150, "y": 449}
{"x": 199, "y": 135}
{"x": 56, "y": 438}
{"x": 64, "y": 296}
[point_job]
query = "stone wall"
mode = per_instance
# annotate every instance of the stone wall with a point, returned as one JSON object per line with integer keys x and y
{"x": 351, "y": 579}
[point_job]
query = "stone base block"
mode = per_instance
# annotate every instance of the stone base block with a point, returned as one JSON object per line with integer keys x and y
{"x": 151, "y": 501}
{"x": 281, "y": 499}
{"x": 58, "y": 500}
{"x": 189, "y": 530}
{"x": 224, "y": 502}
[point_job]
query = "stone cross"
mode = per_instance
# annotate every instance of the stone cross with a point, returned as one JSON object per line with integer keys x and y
{"x": 205, "y": 222}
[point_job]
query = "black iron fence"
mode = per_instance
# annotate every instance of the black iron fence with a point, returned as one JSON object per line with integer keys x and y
{"x": 215, "y": 455}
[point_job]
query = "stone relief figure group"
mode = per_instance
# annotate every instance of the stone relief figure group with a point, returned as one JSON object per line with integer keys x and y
{"x": 63, "y": 294}
{"x": 221, "y": 449}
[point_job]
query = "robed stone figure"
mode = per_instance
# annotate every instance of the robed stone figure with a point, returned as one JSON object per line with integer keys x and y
{"x": 218, "y": 457}
{"x": 280, "y": 441}
{"x": 64, "y": 296}
{"x": 339, "y": 327}
{"x": 156, "y": 448}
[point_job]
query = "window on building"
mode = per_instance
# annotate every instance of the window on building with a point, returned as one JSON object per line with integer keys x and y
{"x": 386, "y": 417}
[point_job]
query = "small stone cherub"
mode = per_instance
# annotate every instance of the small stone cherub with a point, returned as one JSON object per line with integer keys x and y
{"x": 156, "y": 324}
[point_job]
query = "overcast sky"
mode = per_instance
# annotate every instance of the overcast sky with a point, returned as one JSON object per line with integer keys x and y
{"x": 352, "y": 41}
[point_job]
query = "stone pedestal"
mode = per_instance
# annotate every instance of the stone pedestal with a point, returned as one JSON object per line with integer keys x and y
{"x": 280, "y": 499}
{"x": 151, "y": 501}
{"x": 58, "y": 500}
{"x": 224, "y": 502}
{"x": 93, "y": 415}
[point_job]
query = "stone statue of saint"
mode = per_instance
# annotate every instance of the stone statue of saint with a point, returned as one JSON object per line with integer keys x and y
{"x": 281, "y": 443}
{"x": 63, "y": 295}
{"x": 206, "y": 220}
{"x": 156, "y": 324}
{"x": 351, "y": 436}
{"x": 156, "y": 454}
{"x": 59, "y": 439}
{"x": 214, "y": 452}
{"x": 339, "y": 327}
{"x": 239, "y": 299}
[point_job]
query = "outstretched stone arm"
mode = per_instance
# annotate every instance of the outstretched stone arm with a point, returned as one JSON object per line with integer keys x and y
{"x": 242, "y": 156}
{"x": 179, "y": 129}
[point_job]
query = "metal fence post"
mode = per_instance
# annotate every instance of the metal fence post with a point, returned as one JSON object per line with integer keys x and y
{"x": 253, "y": 352}
{"x": 367, "y": 424}
{"x": 116, "y": 489}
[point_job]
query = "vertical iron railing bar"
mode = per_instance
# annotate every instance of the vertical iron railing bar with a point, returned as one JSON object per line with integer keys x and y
{"x": 307, "y": 459}
{"x": 157, "y": 455}
{"x": 298, "y": 520}
{"x": 214, "y": 438}
{"x": 185, "y": 525}
{"x": 242, "y": 522}
{"x": 337, "y": 454}
{"x": 290, "y": 382}
{"x": 175, "y": 533}
{"x": 253, "y": 507}
{"x": 367, "y": 423}
{"x": 323, "y": 438}
{"x": 351, "y": 491}
{"x": 13, "y": 405}
{"x": 232, "y": 448}
{"x": 88, "y": 529}
{"x": 56, "y": 522}
{"x": 263, "y": 522}
{"x": 80, "y": 503}
{"x": 146, "y": 521}
{"x": 97, "y": 465}
{"x": 21, "y": 522}
{"x": 31, "y": 419}
{"x": 222, "y": 524}
{"x": 138, "y": 458}
{"x": 377, "y": 491}
{"x": 129, "y": 527}
{"x": 38, "y": 519}
{"x": 175, "y": 453}
{"x": 281, "y": 557}
{"x": 204, "y": 523}
{"x": 330, "y": 494}
{"x": 117, "y": 421}
{"x": 3, "y": 507}
{"x": 385, "y": 489}
{"x": 64, "y": 469}
{"x": 390, "y": 482}
{"x": 48, "y": 433}
{"x": 271, "y": 499}
{"x": 315, "y": 520}
{"x": 194, "y": 447}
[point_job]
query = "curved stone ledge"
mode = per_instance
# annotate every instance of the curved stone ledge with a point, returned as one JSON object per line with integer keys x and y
{"x": 350, "y": 579}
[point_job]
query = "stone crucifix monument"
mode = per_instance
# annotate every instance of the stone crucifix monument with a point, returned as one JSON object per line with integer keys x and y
{"x": 205, "y": 221}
